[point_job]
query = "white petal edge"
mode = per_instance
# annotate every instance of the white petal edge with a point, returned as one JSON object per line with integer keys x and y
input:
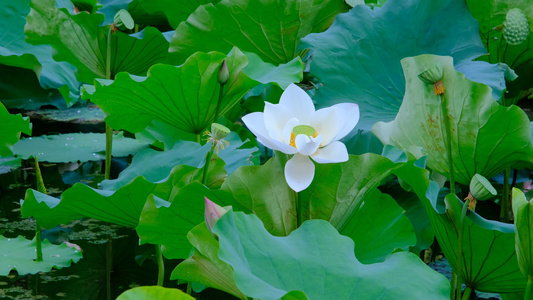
{"x": 256, "y": 124}
{"x": 307, "y": 145}
{"x": 276, "y": 116}
{"x": 299, "y": 172}
{"x": 299, "y": 103}
{"x": 348, "y": 114}
{"x": 327, "y": 123}
{"x": 333, "y": 153}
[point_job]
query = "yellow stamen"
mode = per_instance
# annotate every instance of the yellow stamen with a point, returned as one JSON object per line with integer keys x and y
{"x": 301, "y": 129}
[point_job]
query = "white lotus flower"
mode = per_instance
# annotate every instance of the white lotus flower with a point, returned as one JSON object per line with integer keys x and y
{"x": 294, "y": 127}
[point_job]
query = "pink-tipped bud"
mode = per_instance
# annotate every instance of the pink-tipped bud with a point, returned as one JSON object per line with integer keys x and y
{"x": 213, "y": 212}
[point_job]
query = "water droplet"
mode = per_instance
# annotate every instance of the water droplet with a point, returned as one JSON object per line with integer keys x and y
{"x": 70, "y": 138}
{"x": 66, "y": 144}
{"x": 79, "y": 111}
{"x": 495, "y": 37}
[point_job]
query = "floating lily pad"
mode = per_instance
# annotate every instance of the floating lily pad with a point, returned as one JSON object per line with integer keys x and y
{"x": 19, "y": 254}
{"x": 78, "y": 115}
{"x": 74, "y": 147}
{"x": 153, "y": 292}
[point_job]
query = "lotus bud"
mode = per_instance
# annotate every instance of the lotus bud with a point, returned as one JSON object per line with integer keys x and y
{"x": 213, "y": 212}
{"x": 223, "y": 73}
{"x": 219, "y": 132}
{"x": 433, "y": 76}
{"x": 516, "y": 27}
{"x": 123, "y": 20}
{"x": 481, "y": 188}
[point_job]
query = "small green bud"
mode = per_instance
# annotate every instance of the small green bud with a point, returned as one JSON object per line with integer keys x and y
{"x": 223, "y": 73}
{"x": 431, "y": 75}
{"x": 516, "y": 27}
{"x": 481, "y": 188}
{"x": 213, "y": 212}
{"x": 123, "y": 20}
{"x": 219, "y": 131}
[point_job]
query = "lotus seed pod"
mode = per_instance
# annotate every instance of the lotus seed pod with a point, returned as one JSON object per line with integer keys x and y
{"x": 123, "y": 20}
{"x": 219, "y": 131}
{"x": 516, "y": 27}
{"x": 223, "y": 73}
{"x": 431, "y": 75}
{"x": 481, "y": 188}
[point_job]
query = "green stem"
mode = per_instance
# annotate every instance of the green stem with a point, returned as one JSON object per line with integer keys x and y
{"x": 529, "y": 288}
{"x": 108, "y": 150}
{"x": 448, "y": 127}
{"x": 42, "y": 189}
{"x": 108, "y": 266}
{"x": 453, "y": 284}
{"x": 299, "y": 209}
{"x": 466, "y": 294}
{"x": 504, "y": 212}
{"x": 160, "y": 265}
{"x": 207, "y": 162}
{"x": 460, "y": 236}
{"x": 107, "y": 174}
{"x": 220, "y": 92}
{"x": 189, "y": 288}
{"x": 198, "y": 138}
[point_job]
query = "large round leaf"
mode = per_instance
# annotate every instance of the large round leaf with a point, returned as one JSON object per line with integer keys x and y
{"x": 270, "y": 29}
{"x": 19, "y": 255}
{"x": 73, "y": 147}
{"x": 489, "y": 259}
{"x": 316, "y": 260}
{"x": 122, "y": 207}
{"x": 79, "y": 40}
{"x": 485, "y": 137}
{"x": 153, "y": 292}
{"x": 185, "y": 97}
{"x": 15, "y": 51}
{"x": 358, "y": 58}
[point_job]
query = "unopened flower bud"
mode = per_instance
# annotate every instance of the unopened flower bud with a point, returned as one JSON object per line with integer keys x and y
{"x": 123, "y": 20}
{"x": 223, "y": 73}
{"x": 213, "y": 212}
{"x": 481, "y": 188}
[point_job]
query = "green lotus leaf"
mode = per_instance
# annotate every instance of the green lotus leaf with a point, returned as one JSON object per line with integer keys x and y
{"x": 204, "y": 266}
{"x": 156, "y": 165}
{"x": 486, "y": 137}
{"x": 15, "y": 51}
{"x": 523, "y": 216}
{"x": 489, "y": 257}
{"x": 283, "y": 75}
{"x": 492, "y": 14}
{"x": 79, "y": 40}
{"x": 316, "y": 260}
{"x": 21, "y": 256}
{"x": 365, "y": 47}
{"x": 153, "y": 292}
{"x": 74, "y": 147}
{"x": 185, "y": 96}
{"x": 175, "y": 11}
{"x": 122, "y": 207}
{"x": 269, "y": 29}
{"x": 20, "y": 89}
{"x": 168, "y": 222}
{"x": 337, "y": 194}
{"x": 12, "y": 126}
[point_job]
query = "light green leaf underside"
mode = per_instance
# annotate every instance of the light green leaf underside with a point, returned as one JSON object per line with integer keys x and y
{"x": 486, "y": 137}
{"x": 316, "y": 260}
{"x": 153, "y": 292}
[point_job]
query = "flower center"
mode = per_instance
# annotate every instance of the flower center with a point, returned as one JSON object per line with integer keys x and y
{"x": 302, "y": 129}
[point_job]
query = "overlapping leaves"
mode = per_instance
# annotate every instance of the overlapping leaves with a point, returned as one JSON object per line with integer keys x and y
{"x": 270, "y": 29}
{"x": 485, "y": 137}
{"x": 358, "y": 58}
